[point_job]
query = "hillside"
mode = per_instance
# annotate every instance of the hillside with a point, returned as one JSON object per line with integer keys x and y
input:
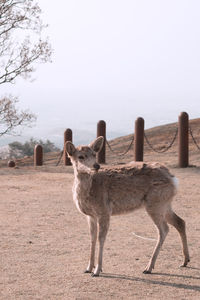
{"x": 45, "y": 240}
{"x": 159, "y": 137}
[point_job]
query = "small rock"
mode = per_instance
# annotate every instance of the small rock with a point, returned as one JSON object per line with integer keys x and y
{"x": 11, "y": 164}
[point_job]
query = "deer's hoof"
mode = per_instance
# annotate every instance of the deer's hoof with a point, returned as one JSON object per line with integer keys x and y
{"x": 94, "y": 275}
{"x": 185, "y": 263}
{"x": 147, "y": 272}
{"x": 87, "y": 271}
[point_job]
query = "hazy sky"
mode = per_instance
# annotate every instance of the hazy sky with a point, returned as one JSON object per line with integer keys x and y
{"x": 115, "y": 60}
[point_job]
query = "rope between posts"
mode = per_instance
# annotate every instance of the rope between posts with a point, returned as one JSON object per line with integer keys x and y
{"x": 125, "y": 152}
{"x": 60, "y": 157}
{"x": 166, "y": 148}
{"x": 193, "y": 138}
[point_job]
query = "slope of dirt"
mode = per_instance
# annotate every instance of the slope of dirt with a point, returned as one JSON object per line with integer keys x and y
{"x": 159, "y": 137}
{"x": 45, "y": 240}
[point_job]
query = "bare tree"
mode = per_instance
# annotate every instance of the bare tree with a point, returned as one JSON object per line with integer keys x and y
{"x": 21, "y": 46}
{"x": 11, "y": 118}
{"x": 20, "y": 39}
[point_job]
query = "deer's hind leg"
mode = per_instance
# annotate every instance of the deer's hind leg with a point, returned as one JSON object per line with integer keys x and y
{"x": 179, "y": 224}
{"x": 93, "y": 235}
{"x": 162, "y": 227}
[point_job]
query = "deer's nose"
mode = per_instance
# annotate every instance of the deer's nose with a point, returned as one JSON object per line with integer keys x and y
{"x": 96, "y": 166}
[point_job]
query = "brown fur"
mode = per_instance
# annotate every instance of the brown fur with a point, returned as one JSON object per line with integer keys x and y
{"x": 120, "y": 190}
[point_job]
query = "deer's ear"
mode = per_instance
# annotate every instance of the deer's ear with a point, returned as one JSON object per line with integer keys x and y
{"x": 97, "y": 144}
{"x": 70, "y": 148}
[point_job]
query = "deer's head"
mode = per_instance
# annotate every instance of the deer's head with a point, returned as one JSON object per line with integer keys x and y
{"x": 83, "y": 158}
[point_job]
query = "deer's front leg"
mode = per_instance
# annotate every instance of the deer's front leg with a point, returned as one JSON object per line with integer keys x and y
{"x": 103, "y": 223}
{"x": 93, "y": 233}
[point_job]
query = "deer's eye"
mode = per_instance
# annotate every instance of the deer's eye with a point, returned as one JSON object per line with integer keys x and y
{"x": 81, "y": 157}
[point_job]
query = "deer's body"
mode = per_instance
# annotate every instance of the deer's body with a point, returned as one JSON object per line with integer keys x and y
{"x": 120, "y": 190}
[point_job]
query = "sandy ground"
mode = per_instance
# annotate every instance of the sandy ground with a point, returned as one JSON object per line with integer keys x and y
{"x": 45, "y": 243}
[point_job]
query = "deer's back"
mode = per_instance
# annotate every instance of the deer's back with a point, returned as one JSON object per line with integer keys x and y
{"x": 127, "y": 188}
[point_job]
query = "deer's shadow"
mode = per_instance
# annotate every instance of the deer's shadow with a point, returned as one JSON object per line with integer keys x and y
{"x": 149, "y": 278}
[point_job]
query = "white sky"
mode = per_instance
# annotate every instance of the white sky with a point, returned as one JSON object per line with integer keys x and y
{"x": 115, "y": 60}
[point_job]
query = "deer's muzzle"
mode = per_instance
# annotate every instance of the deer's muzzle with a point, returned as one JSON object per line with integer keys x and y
{"x": 96, "y": 167}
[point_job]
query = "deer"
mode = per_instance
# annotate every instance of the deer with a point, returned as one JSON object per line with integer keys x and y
{"x": 100, "y": 193}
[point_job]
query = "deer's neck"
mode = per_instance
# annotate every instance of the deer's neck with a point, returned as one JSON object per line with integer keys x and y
{"x": 83, "y": 181}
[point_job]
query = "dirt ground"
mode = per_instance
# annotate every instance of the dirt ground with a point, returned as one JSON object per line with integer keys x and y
{"x": 45, "y": 243}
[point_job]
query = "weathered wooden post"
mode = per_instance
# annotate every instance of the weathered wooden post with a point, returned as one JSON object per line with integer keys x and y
{"x": 67, "y": 138}
{"x": 101, "y": 131}
{"x": 183, "y": 140}
{"x": 38, "y": 155}
{"x": 139, "y": 140}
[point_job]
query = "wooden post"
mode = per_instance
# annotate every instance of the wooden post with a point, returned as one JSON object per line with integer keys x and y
{"x": 67, "y": 138}
{"x": 183, "y": 140}
{"x": 139, "y": 139}
{"x": 101, "y": 131}
{"x": 38, "y": 155}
